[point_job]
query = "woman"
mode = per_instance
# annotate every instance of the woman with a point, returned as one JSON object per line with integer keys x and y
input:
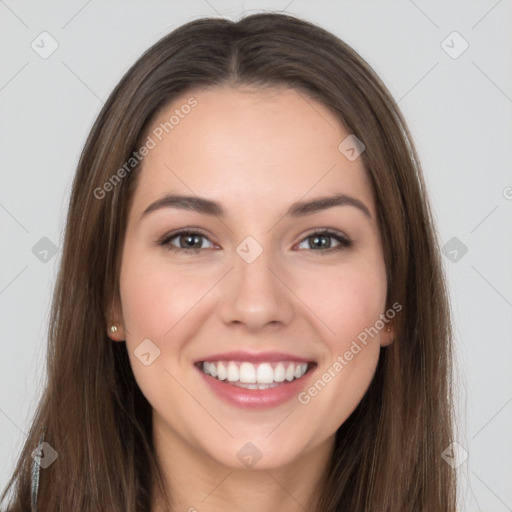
{"x": 250, "y": 312}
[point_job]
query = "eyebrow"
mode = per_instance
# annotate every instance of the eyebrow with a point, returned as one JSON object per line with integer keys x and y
{"x": 210, "y": 207}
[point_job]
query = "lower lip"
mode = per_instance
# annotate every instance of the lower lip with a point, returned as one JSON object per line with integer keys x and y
{"x": 257, "y": 398}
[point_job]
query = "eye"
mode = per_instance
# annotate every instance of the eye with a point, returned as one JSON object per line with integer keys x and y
{"x": 186, "y": 241}
{"x": 193, "y": 241}
{"x": 322, "y": 241}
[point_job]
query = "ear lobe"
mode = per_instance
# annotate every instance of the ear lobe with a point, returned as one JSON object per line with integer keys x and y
{"x": 116, "y": 331}
{"x": 387, "y": 336}
{"x": 115, "y": 326}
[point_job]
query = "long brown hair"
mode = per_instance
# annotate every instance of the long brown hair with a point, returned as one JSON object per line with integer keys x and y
{"x": 387, "y": 454}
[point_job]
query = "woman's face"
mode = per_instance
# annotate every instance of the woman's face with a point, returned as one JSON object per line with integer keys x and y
{"x": 273, "y": 279}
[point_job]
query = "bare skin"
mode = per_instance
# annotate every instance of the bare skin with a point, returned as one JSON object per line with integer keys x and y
{"x": 256, "y": 152}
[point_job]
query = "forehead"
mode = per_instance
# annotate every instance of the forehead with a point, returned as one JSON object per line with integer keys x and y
{"x": 248, "y": 146}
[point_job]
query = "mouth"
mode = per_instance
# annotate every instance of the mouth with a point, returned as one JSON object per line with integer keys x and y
{"x": 256, "y": 376}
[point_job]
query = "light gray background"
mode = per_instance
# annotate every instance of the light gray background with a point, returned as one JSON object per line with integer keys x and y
{"x": 459, "y": 112}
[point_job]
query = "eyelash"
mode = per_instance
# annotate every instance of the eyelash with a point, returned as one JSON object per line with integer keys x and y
{"x": 344, "y": 243}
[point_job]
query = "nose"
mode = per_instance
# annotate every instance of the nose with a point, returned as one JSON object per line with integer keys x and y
{"x": 256, "y": 296}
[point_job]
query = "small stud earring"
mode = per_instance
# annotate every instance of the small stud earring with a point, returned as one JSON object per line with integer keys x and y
{"x": 113, "y": 329}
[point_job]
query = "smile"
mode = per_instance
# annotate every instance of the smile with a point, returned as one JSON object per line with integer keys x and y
{"x": 247, "y": 375}
{"x": 256, "y": 380}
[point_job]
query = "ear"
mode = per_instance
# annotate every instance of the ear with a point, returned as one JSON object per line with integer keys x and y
{"x": 115, "y": 321}
{"x": 387, "y": 335}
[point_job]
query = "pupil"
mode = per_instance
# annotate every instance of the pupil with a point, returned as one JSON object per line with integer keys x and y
{"x": 191, "y": 241}
{"x": 320, "y": 241}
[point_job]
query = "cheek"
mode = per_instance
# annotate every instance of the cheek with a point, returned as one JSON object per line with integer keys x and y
{"x": 155, "y": 305}
{"x": 347, "y": 299}
{"x": 154, "y": 297}
{"x": 348, "y": 303}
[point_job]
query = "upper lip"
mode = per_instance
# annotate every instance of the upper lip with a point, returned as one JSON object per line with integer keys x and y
{"x": 254, "y": 357}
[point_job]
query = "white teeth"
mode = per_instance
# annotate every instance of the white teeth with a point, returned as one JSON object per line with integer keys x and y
{"x": 255, "y": 386}
{"x": 265, "y": 374}
{"x": 221, "y": 371}
{"x": 290, "y": 373}
{"x": 233, "y": 374}
{"x": 250, "y": 376}
{"x": 279, "y": 372}
{"x": 247, "y": 373}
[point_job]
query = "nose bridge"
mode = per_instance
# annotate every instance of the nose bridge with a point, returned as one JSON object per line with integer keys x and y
{"x": 254, "y": 295}
{"x": 255, "y": 276}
